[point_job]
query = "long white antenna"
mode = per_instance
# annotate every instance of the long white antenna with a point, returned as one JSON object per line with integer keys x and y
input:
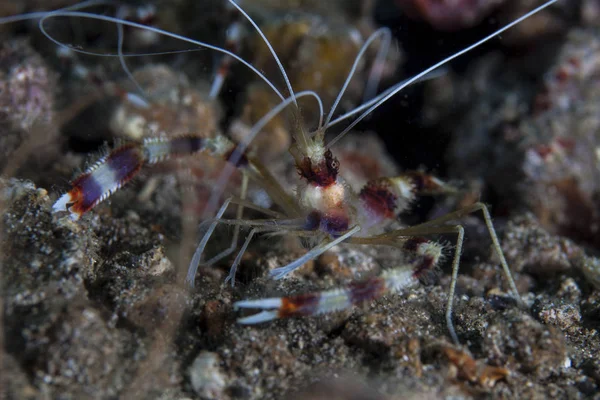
{"x": 385, "y": 32}
{"x": 432, "y": 75}
{"x": 439, "y": 64}
{"x": 243, "y": 145}
{"x": 262, "y": 35}
{"x": 120, "y": 39}
{"x": 78, "y": 14}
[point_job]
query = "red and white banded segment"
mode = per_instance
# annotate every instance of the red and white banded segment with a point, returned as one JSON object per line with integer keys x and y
{"x": 122, "y": 164}
{"x": 382, "y": 199}
{"x": 390, "y": 281}
{"x": 101, "y": 180}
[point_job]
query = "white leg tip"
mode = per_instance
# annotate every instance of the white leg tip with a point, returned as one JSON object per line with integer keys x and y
{"x": 190, "y": 281}
{"x": 278, "y": 273}
{"x": 61, "y": 205}
{"x": 263, "y": 316}
{"x": 264, "y": 304}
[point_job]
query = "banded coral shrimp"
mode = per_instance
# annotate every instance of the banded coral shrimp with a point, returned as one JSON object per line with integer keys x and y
{"x": 330, "y": 210}
{"x": 326, "y": 200}
{"x": 280, "y": 324}
{"x": 122, "y": 312}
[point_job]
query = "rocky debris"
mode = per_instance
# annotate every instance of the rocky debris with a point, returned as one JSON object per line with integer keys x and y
{"x": 527, "y": 245}
{"x": 206, "y": 377}
{"x": 65, "y": 331}
{"x": 28, "y": 86}
{"x": 536, "y": 349}
{"x": 448, "y": 15}
{"x": 461, "y": 15}
{"x": 177, "y": 108}
{"x": 561, "y": 162}
{"x": 590, "y": 12}
{"x": 52, "y": 330}
{"x": 27, "y": 104}
{"x": 590, "y": 266}
{"x": 542, "y": 254}
{"x": 534, "y": 146}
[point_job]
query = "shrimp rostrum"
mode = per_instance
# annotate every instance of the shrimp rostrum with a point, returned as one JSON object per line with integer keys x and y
{"x": 324, "y": 207}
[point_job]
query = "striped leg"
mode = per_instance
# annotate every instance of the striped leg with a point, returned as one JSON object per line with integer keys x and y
{"x": 122, "y": 164}
{"x": 381, "y": 200}
{"x": 105, "y": 177}
{"x": 390, "y": 281}
{"x": 428, "y": 255}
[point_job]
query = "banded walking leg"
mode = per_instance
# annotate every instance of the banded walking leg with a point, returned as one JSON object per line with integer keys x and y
{"x": 390, "y": 281}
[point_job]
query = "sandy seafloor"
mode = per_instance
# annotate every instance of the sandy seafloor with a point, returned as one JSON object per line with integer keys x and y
{"x": 97, "y": 308}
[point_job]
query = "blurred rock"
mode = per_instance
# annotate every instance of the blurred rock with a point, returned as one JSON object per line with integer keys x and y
{"x": 27, "y": 104}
